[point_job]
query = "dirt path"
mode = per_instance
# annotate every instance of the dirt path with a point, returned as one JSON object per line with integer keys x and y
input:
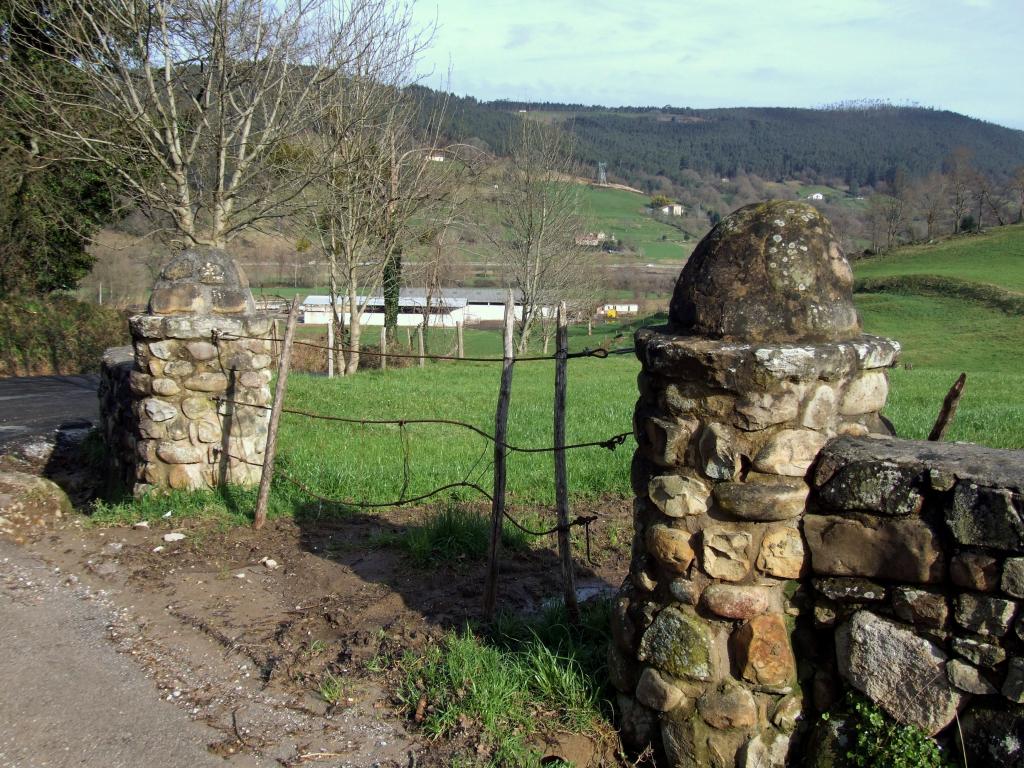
{"x": 236, "y": 651}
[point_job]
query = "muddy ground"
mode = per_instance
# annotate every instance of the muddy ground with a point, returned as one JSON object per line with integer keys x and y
{"x": 245, "y": 647}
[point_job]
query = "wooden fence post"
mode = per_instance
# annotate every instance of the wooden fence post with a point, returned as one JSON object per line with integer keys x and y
{"x": 458, "y": 335}
{"x": 330, "y": 348}
{"x": 572, "y": 608}
{"x": 260, "y": 516}
{"x": 500, "y": 430}
{"x": 948, "y": 410}
{"x": 419, "y": 343}
{"x": 384, "y": 348}
{"x": 408, "y": 338}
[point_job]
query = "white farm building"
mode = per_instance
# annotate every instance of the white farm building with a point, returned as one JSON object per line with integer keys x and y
{"x": 448, "y": 307}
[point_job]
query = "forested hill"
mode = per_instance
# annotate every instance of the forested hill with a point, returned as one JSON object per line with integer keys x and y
{"x": 861, "y": 144}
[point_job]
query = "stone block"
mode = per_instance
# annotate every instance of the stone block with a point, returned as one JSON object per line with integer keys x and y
{"x": 902, "y": 673}
{"x": 1012, "y": 580}
{"x": 986, "y": 517}
{"x": 782, "y": 553}
{"x": 1013, "y": 686}
{"x": 820, "y": 408}
{"x": 900, "y": 549}
{"x": 261, "y": 361}
{"x": 920, "y": 607}
{"x": 156, "y": 367}
{"x": 968, "y": 679}
{"x": 197, "y": 407}
{"x": 637, "y": 724}
{"x": 978, "y": 651}
{"x": 177, "y": 453}
{"x": 789, "y": 452}
{"x": 726, "y": 553}
{"x": 871, "y": 485}
{"x": 761, "y": 502}
{"x": 207, "y": 382}
{"x": 663, "y": 441}
{"x": 865, "y": 394}
{"x": 679, "y": 643}
{"x": 685, "y": 591}
{"x": 252, "y": 379}
{"x": 201, "y": 350}
{"x": 729, "y": 705}
{"x": 678, "y": 496}
{"x": 185, "y": 477}
{"x": 765, "y": 750}
{"x": 158, "y": 410}
{"x": 763, "y": 653}
{"x": 670, "y": 547}
{"x": 731, "y": 601}
{"x": 993, "y": 735}
{"x": 850, "y": 589}
{"x": 165, "y": 387}
{"x": 179, "y": 369}
{"x": 717, "y": 451}
{"x": 654, "y": 691}
{"x": 164, "y": 350}
{"x": 983, "y": 615}
{"x": 787, "y": 712}
{"x": 975, "y": 570}
{"x": 141, "y": 384}
{"x": 146, "y": 326}
{"x": 760, "y": 410}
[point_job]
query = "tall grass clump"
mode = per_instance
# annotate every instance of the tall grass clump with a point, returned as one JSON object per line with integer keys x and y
{"x": 521, "y": 677}
{"x": 456, "y": 532}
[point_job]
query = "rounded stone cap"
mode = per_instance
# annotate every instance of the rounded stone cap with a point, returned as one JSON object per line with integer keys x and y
{"x": 769, "y": 272}
{"x": 202, "y": 282}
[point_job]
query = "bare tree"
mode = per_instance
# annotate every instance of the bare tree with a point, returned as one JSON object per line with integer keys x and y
{"x": 538, "y": 205}
{"x": 213, "y": 100}
{"x": 382, "y": 184}
{"x": 930, "y": 194}
{"x": 959, "y": 174}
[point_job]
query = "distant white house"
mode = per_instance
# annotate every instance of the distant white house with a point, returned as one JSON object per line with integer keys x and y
{"x": 592, "y": 239}
{"x": 816, "y": 196}
{"x": 615, "y": 310}
{"x": 672, "y": 209}
{"x": 435, "y": 157}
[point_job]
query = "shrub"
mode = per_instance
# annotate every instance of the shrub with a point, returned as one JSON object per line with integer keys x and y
{"x": 56, "y": 334}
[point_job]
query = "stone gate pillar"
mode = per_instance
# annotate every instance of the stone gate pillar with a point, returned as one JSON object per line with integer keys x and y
{"x": 186, "y": 356}
{"x": 761, "y": 362}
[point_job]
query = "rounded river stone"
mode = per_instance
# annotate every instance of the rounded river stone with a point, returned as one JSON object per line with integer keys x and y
{"x": 770, "y": 272}
{"x": 202, "y": 281}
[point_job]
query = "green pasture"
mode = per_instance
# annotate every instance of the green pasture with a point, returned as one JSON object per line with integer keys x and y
{"x": 996, "y": 257}
{"x": 624, "y": 214}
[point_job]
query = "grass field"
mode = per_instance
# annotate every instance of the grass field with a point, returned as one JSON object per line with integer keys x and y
{"x": 941, "y": 336}
{"x": 995, "y": 257}
{"x": 623, "y": 214}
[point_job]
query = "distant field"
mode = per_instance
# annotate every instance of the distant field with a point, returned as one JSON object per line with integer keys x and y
{"x": 995, "y": 257}
{"x": 623, "y": 214}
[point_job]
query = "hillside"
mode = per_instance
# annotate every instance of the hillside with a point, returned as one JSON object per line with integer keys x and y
{"x": 859, "y": 145}
{"x": 956, "y": 307}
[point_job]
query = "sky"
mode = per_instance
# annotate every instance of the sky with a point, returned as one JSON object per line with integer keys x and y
{"x": 962, "y": 55}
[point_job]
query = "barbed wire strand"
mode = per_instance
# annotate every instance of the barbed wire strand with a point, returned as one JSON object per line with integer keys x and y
{"x": 610, "y": 443}
{"x": 598, "y": 352}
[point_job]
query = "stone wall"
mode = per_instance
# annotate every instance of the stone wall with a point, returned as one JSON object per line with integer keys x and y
{"x": 164, "y": 413}
{"x": 726, "y": 433}
{"x": 916, "y": 576}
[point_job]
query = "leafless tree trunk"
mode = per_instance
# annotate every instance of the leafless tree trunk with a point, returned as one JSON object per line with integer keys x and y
{"x": 958, "y": 175}
{"x": 539, "y": 211}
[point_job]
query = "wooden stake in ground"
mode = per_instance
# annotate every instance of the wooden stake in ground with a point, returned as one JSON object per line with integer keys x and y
{"x": 948, "y": 411}
{"x": 419, "y": 344}
{"x": 408, "y": 338}
{"x": 572, "y": 608}
{"x": 458, "y": 335}
{"x": 330, "y": 350}
{"x": 260, "y": 516}
{"x": 384, "y": 348}
{"x": 500, "y": 430}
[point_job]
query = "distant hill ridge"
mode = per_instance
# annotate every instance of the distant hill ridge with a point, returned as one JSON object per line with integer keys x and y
{"x": 858, "y": 144}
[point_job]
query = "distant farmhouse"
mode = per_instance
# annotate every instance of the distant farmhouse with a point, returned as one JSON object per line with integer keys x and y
{"x": 816, "y": 196}
{"x": 592, "y": 239}
{"x": 435, "y": 157}
{"x": 672, "y": 209}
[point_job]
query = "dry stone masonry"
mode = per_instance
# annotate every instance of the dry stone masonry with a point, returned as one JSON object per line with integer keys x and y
{"x": 916, "y": 575}
{"x": 159, "y": 400}
{"x": 762, "y": 362}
